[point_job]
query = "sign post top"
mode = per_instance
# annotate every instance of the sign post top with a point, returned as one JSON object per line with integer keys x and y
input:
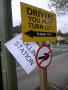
{"x": 37, "y": 24}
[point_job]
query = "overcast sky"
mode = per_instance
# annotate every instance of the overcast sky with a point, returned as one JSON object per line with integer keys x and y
{"x": 62, "y": 21}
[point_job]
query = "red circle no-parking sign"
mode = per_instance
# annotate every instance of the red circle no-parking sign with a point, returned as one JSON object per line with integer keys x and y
{"x": 43, "y": 56}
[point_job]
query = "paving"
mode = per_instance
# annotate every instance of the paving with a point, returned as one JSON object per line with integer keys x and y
{"x": 57, "y": 75}
{"x": 58, "y": 71}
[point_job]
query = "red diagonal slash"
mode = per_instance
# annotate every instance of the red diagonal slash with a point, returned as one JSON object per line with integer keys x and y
{"x": 45, "y": 57}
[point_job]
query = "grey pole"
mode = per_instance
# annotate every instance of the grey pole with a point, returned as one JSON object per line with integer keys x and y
{"x": 7, "y": 61}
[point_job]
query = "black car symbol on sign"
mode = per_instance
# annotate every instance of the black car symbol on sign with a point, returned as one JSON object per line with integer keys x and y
{"x": 46, "y": 56}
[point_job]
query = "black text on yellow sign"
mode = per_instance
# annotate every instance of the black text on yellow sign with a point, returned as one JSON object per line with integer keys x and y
{"x": 37, "y": 24}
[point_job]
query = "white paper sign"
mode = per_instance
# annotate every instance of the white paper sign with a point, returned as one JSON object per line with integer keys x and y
{"x": 24, "y": 52}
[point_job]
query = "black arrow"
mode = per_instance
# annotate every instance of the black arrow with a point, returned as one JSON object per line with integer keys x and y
{"x": 32, "y": 34}
{"x": 46, "y": 55}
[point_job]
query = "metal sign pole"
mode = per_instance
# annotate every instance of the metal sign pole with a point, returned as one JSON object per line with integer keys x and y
{"x": 8, "y": 64}
{"x": 1, "y": 81}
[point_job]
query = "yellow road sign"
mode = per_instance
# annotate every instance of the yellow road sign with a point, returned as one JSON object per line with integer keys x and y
{"x": 37, "y": 24}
